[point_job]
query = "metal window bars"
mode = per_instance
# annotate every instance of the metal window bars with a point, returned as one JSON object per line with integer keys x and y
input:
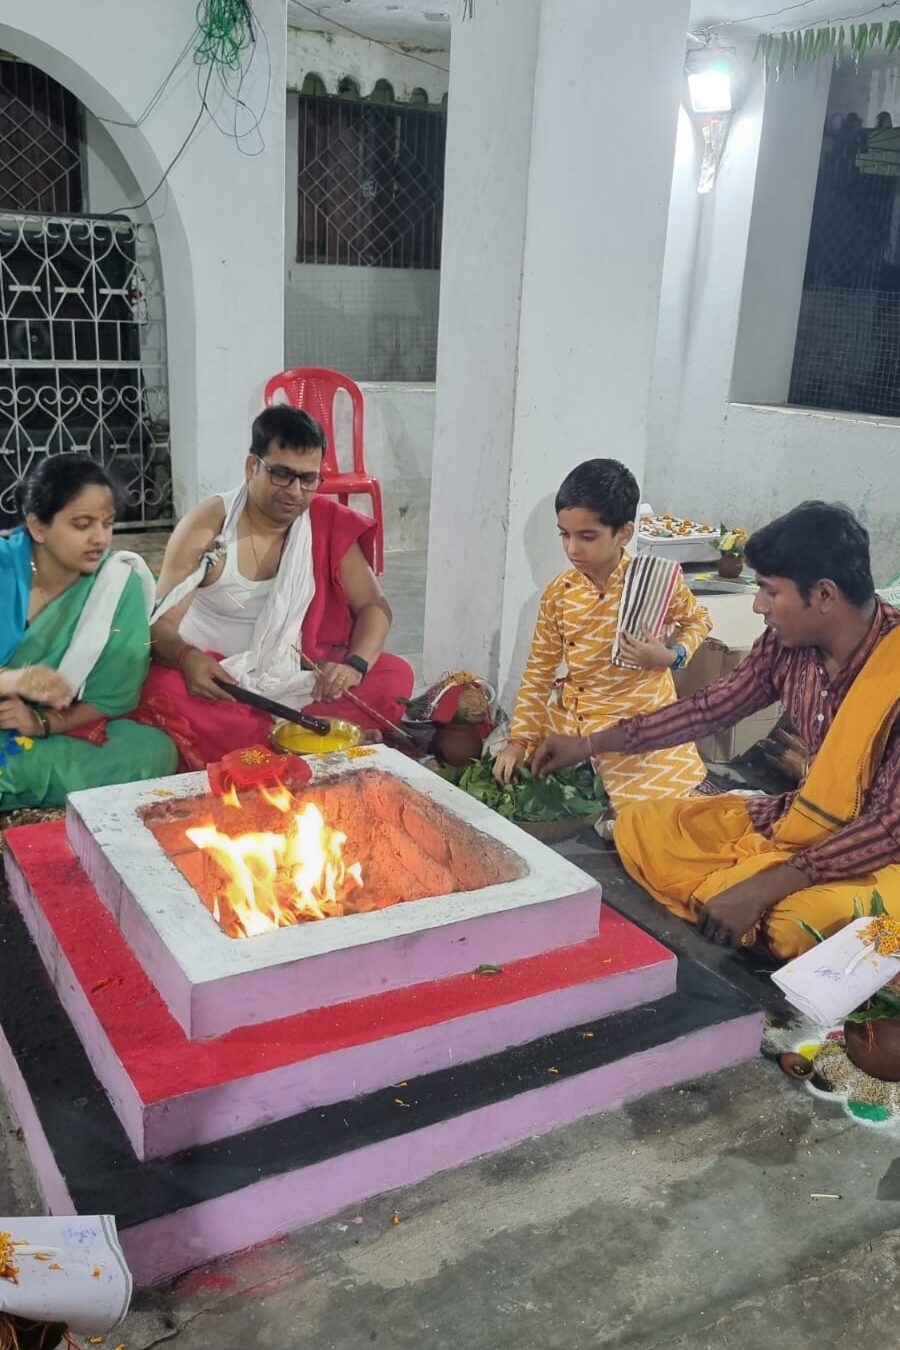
{"x": 40, "y": 141}
{"x": 847, "y": 352}
{"x": 370, "y": 183}
{"x": 83, "y": 356}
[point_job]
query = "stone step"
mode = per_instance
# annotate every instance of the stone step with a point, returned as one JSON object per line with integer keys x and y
{"x": 172, "y": 1092}
{"x": 218, "y": 1198}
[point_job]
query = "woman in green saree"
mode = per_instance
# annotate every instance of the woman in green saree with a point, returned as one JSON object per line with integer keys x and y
{"x": 74, "y": 644}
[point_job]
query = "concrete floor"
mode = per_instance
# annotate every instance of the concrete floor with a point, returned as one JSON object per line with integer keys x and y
{"x": 683, "y": 1220}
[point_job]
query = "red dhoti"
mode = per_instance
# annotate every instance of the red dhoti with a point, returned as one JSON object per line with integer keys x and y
{"x": 205, "y": 729}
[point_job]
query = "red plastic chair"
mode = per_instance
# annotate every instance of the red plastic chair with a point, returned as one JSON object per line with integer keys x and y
{"x": 313, "y": 389}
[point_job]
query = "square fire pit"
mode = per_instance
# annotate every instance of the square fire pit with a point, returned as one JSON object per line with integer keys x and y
{"x": 446, "y": 885}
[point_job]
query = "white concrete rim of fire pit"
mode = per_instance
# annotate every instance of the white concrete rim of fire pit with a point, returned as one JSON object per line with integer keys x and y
{"x": 204, "y": 953}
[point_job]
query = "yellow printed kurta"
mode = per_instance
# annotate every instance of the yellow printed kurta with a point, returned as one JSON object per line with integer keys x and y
{"x": 576, "y": 629}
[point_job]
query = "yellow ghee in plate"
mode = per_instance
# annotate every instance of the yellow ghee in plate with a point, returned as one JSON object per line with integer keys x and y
{"x": 297, "y": 740}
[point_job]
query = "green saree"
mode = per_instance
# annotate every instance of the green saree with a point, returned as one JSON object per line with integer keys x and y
{"x": 119, "y": 751}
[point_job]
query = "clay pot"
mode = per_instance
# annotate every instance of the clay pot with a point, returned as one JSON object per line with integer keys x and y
{"x": 729, "y": 565}
{"x": 457, "y": 743}
{"x": 874, "y": 1047}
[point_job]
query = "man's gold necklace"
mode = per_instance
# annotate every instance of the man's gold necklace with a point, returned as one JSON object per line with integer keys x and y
{"x": 256, "y": 555}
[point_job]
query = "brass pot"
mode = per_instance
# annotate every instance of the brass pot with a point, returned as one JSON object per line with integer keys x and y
{"x": 729, "y": 565}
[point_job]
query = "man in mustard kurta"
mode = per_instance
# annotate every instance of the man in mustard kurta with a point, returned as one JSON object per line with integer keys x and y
{"x": 748, "y": 869}
{"x": 618, "y": 636}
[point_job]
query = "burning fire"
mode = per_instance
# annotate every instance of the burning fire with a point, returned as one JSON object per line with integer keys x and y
{"x": 277, "y": 880}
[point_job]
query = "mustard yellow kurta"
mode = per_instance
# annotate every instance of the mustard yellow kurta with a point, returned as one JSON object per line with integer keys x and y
{"x": 576, "y": 629}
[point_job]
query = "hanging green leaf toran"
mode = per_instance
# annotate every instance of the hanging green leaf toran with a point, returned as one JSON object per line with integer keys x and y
{"x": 780, "y": 52}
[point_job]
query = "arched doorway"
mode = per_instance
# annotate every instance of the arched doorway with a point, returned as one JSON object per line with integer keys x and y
{"x": 82, "y": 315}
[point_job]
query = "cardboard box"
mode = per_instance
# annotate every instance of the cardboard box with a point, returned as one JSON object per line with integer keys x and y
{"x": 735, "y": 629}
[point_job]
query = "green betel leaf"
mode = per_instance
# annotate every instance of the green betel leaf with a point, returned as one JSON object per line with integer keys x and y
{"x": 813, "y": 932}
{"x": 873, "y": 1012}
{"x": 877, "y": 907}
{"x": 889, "y": 1002}
{"x": 858, "y": 911}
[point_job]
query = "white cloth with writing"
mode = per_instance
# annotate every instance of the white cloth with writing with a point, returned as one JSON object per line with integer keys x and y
{"x": 827, "y": 982}
{"x": 271, "y": 664}
{"x": 71, "y": 1269}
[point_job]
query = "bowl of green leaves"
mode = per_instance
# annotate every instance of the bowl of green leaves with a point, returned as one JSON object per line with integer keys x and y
{"x": 551, "y": 808}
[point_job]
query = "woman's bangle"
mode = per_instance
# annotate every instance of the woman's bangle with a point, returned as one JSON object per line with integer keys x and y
{"x": 44, "y": 721}
{"x": 183, "y": 655}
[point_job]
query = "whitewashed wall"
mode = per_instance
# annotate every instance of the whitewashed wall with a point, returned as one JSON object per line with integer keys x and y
{"x": 399, "y": 429}
{"x": 722, "y": 445}
{"x": 373, "y": 323}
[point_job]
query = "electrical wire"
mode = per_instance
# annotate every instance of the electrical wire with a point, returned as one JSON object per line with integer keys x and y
{"x": 227, "y": 31}
{"x": 772, "y": 14}
{"x": 388, "y": 46}
{"x": 240, "y": 104}
{"x": 156, "y": 97}
{"x": 818, "y": 23}
{"x": 136, "y": 206}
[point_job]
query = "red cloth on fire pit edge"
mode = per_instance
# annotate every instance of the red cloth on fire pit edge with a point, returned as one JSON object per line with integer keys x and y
{"x": 255, "y": 765}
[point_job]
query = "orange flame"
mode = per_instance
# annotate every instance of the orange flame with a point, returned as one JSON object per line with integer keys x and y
{"x": 277, "y": 880}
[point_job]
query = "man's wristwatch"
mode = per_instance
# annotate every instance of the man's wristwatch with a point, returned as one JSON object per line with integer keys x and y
{"x": 357, "y": 663}
{"x": 681, "y": 656}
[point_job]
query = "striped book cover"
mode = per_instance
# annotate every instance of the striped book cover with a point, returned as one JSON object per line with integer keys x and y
{"x": 646, "y": 595}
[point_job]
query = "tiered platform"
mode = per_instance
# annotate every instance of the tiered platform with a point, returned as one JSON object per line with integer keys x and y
{"x": 201, "y": 1146}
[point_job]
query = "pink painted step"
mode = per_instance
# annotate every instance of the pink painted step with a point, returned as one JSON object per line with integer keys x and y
{"x": 173, "y": 1093}
{"x": 199, "y": 1230}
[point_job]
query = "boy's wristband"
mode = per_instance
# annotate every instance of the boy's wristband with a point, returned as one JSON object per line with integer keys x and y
{"x": 681, "y": 656}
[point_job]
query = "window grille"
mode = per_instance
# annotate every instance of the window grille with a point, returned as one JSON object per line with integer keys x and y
{"x": 847, "y": 353}
{"x": 82, "y": 356}
{"x": 370, "y": 183}
{"x": 40, "y": 142}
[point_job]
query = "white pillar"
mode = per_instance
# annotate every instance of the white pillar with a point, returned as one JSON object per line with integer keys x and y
{"x": 562, "y": 117}
{"x": 786, "y": 174}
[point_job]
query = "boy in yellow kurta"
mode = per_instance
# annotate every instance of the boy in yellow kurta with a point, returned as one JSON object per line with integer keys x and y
{"x": 578, "y": 629}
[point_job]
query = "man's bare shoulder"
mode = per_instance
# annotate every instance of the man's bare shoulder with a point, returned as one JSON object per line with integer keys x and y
{"x": 190, "y": 539}
{"x": 208, "y": 515}
{"x": 199, "y": 526}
